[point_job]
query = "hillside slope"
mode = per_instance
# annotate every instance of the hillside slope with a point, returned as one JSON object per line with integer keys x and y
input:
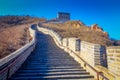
{"x": 93, "y": 33}
{"x": 14, "y": 32}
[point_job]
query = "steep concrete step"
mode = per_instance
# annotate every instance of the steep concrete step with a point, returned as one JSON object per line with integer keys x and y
{"x": 52, "y": 70}
{"x": 57, "y": 67}
{"x": 53, "y": 61}
{"x": 54, "y": 78}
{"x": 58, "y": 64}
{"x": 52, "y": 73}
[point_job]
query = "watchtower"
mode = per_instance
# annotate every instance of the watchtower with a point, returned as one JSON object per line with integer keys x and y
{"x": 63, "y": 16}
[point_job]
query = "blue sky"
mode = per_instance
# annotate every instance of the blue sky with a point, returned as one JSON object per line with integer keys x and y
{"x": 106, "y": 13}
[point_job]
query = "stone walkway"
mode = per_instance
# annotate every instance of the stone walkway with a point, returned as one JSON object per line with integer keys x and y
{"x": 51, "y": 63}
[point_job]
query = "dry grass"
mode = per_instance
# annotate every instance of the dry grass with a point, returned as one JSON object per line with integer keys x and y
{"x": 72, "y": 29}
{"x": 11, "y": 39}
{"x": 14, "y": 32}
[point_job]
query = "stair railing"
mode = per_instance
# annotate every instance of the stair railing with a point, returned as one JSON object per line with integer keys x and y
{"x": 11, "y": 63}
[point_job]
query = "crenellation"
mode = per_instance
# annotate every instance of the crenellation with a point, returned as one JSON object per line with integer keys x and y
{"x": 113, "y": 57}
{"x": 94, "y": 54}
{"x": 74, "y": 44}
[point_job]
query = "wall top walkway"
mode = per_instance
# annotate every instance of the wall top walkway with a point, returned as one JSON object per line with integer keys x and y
{"x": 59, "y": 43}
{"x": 48, "y": 61}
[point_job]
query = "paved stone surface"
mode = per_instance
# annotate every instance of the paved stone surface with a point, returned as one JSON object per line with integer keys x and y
{"x": 51, "y": 63}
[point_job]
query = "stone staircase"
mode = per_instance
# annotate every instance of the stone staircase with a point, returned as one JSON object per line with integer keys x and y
{"x": 51, "y": 63}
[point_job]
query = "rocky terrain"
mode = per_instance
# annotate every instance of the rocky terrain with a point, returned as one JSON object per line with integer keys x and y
{"x": 93, "y": 33}
{"x": 14, "y": 32}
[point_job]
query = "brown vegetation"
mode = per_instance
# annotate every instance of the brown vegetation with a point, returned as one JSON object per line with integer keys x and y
{"x": 78, "y": 29}
{"x": 8, "y": 21}
{"x": 11, "y": 39}
{"x": 14, "y": 32}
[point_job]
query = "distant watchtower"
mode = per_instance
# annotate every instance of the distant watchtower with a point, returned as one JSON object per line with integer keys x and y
{"x": 62, "y": 16}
